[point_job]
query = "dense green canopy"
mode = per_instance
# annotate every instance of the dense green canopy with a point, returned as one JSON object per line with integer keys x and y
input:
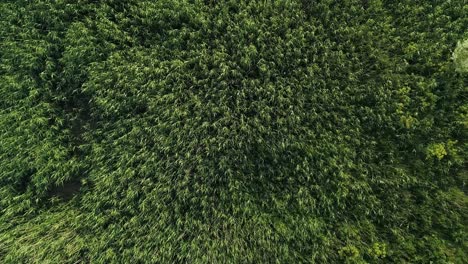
{"x": 178, "y": 131}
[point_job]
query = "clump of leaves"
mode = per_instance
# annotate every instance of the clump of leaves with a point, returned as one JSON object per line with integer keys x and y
{"x": 436, "y": 150}
{"x": 460, "y": 56}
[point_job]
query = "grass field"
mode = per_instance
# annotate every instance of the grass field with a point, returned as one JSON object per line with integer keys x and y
{"x": 313, "y": 131}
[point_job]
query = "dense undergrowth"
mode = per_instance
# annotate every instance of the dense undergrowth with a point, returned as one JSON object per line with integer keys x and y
{"x": 185, "y": 131}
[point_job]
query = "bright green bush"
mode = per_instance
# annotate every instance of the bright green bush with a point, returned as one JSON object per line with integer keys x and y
{"x": 232, "y": 131}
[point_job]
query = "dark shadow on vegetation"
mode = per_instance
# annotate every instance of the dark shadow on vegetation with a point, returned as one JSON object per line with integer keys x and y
{"x": 66, "y": 191}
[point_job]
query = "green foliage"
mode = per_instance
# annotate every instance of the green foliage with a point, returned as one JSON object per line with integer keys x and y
{"x": 436, "y": 150}
{"x": 460, "y": 56}
{"x": 189, "y": 131}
